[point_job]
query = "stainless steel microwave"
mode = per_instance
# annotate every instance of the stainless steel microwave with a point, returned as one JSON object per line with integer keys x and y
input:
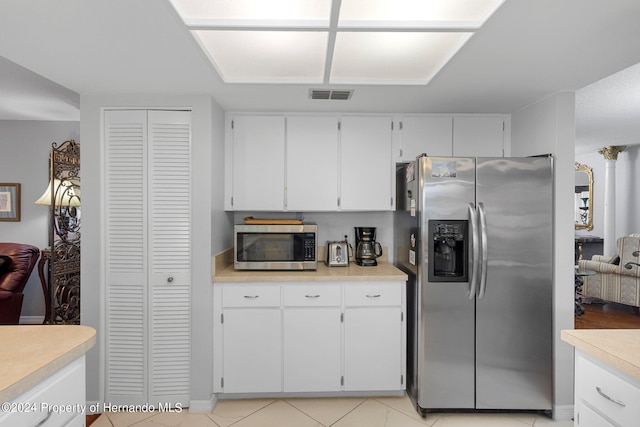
{"x": 275, "y": 247}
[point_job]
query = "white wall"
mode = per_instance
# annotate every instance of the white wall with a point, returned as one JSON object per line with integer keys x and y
{"x": 210, "y": 226}
{"x": 24, "y": 159}
{"x": 548, "y": 126}
{"x": 627, "y": 191}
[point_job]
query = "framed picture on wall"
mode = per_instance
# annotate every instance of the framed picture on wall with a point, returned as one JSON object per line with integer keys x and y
{"x": 9, "y": 201}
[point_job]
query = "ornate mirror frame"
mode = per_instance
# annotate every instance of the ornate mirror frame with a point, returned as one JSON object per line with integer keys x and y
{"x": 584, "y": 206}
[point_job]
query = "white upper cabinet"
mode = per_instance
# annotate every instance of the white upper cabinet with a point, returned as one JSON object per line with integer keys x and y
{"x": 312, "y": 163}
{"x": 366, "y": 169}
{"x": 478, "y": 136}
{"x": 258, "y": 181}
{"x": 432, "y": 135}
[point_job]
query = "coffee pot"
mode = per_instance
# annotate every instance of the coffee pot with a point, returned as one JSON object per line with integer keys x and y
{"x": 367, "y": 249}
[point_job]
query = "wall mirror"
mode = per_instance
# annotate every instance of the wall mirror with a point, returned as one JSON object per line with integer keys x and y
{"x": 583, "y": 216}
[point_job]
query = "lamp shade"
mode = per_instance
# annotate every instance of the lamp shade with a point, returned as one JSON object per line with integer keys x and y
{"x": 67, "y": 193}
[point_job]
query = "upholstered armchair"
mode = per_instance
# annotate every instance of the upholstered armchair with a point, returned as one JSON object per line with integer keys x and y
{"x": 16, "y": 264}
{"x": 617, "y": 279}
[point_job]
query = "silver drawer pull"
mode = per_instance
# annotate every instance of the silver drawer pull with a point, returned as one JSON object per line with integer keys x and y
{"x": 251, "y": 296}
{"x": 312, "y": 296}
{"x": 374, "y": 296}
{"x": 603, "y": 394}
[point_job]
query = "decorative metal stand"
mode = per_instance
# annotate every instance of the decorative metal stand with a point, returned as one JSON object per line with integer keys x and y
{"x": 63, "y": 291}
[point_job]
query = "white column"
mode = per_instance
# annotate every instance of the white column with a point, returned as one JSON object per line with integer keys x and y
{"x": 611, "y": 155}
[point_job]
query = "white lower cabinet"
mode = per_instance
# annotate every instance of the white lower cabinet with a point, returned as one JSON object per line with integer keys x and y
{"x": 604, "y": 396}
{"x": 252, "y": 339}
{"x": 373, "y": 342}
{"x": 312, "y": 338}
{"x": 309, "y": 338}
{"x": 58, "y": 400}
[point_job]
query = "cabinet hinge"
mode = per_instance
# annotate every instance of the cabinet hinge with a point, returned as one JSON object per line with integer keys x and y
{"x": 338, "y": 201}
{"x": 222, "y": 318}
{"x": 391, "y": 201}
{"x": 391, "y": 124}
{"x": 400, "y": 125}
{"x": 231, "y": 201}
{"x": 232, "y": 124}
{"x": 342, "y": 380}
{"x": 222, "y": 382}
{"x": 402, "y": 316}
{"x": 341, "y": 317}
{"x": 401, "y": 379}
{"x": 339, "y": 125}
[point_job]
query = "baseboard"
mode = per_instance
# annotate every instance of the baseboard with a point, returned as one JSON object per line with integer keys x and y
{"x": 202, "y": 405}
{"x": 562, "y": 412}
{"x": 31, "y": 320}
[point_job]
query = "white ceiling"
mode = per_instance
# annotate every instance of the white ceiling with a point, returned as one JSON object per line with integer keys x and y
{"x": 526, "y": 51}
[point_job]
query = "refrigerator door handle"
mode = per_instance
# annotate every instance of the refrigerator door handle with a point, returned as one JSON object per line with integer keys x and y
{"x": 475, "y": 258}
{"x": 482, "y": 215}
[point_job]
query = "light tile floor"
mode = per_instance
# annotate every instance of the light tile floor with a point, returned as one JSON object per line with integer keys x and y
{"x": 325, "y": 412}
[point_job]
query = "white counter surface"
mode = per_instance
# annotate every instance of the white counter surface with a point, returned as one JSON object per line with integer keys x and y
{"x": 31, "y": 353}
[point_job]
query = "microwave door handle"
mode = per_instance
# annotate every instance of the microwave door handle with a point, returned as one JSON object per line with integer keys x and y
{"x": 475, "y": 258}
{"x": 485, "y": 254}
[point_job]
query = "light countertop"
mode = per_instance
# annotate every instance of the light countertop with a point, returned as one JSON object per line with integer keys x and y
{"x": 31, "y": 353}
{"x": 619, "y": 348}
{"x": 223, "y": 271}
{"x": 382, "y": 272}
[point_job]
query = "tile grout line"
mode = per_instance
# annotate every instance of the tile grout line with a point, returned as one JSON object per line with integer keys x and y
{"x": 302, "y": 412}
{"x": 353, "y": 409}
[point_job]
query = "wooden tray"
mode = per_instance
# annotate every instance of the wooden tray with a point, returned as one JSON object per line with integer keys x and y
{"x": 266, "y": 221}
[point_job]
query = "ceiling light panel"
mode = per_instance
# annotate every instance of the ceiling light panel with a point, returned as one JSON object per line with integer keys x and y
{"x": 254, "y": 12}
{"x": 266, "y": 56}
{"x": 392, "y": 57}
{"x": 417, "y": 13}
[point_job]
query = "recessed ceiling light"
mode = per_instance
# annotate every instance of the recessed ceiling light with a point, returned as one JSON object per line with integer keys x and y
{"x": 332, "y": 41}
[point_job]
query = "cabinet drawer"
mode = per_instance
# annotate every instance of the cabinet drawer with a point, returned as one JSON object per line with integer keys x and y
{"x": 251, "y": 296}
{"x": 372, "y": 295}
{"x": 312, "y": 296}
{"x": 53, "y": 402}
{"x": 607, "y": 393}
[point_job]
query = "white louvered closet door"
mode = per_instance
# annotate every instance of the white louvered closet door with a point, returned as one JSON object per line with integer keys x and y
{"x": 170, "y": 256}
{"x": 148, "y": 229}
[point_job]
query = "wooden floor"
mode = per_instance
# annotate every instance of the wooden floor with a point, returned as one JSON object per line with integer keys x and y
{"x": 600, "y": 315}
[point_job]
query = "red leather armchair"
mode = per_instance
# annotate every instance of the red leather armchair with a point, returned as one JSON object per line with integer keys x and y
{"x": 17, "y": 261}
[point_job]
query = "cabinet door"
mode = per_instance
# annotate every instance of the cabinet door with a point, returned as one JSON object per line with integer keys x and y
{"x": 587, "y": 417}
{"x": 312, "y": 350}
{"x": 258, "y": 163}
{"x": 430, "y": 135}
{"x": 312, "y": 164}
{"x": 478, "y": 136}
{"x": 365, "y": 163}
{"x": 252, "y": 350}
{"x": 373, "y": 348}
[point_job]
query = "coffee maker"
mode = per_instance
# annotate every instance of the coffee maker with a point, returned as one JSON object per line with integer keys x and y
{"x": 367, "y": 249}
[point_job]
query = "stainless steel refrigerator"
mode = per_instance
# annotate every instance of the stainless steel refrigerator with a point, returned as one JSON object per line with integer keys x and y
{"x": 474, "y": 236}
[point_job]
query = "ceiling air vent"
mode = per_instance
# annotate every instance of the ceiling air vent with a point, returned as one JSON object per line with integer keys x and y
{"x": 341, "y": 95}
